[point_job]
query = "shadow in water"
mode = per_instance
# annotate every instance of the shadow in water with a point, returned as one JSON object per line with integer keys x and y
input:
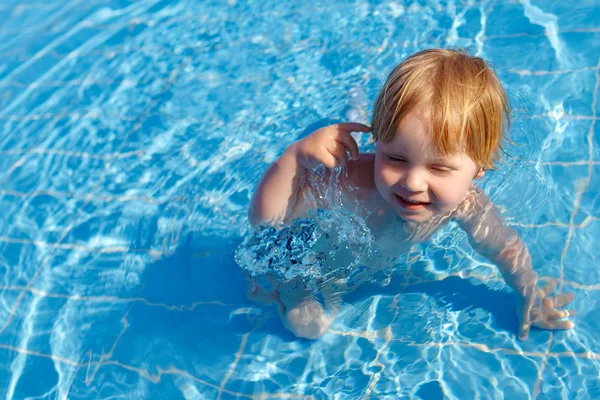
{"x": 193, "y": 312}
{"x": 454, "y": 293}
{"x": 196, "y": 299}
{"x": 194, "y": 306}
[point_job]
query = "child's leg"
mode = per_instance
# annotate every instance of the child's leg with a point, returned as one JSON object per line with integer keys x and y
{"x": 263, "y": 289}
{"x": 301, "y": 312}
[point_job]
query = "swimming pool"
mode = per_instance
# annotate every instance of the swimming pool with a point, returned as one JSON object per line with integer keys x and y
{"x": 133, "y": 134}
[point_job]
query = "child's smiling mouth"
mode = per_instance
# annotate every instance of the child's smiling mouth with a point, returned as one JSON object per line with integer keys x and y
{"x": 410, "y": 205}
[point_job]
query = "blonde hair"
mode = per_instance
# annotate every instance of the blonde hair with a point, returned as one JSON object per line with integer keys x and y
{"x": 467, "y": 104}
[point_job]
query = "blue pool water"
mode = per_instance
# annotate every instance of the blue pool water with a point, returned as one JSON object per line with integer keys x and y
{"x": 133, "y": 134}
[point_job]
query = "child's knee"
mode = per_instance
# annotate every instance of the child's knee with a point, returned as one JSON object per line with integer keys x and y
{"x": 259, "y": 291}
{"x": 307, "y": 320}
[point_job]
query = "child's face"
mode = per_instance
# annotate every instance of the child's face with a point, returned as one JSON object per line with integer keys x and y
{"x": 415, "y": 180}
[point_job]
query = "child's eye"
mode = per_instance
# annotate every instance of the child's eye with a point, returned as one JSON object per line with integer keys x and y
{"x": 441, "y": 170}
{"x": 396, "y": 158}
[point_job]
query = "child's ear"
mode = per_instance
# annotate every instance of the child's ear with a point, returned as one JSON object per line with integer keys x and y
{"x": 480, "y": 174}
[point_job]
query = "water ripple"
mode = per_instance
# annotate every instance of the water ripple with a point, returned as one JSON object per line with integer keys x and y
{"x": 133, "y": 134}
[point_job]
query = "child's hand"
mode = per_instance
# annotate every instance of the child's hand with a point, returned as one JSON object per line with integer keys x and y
{"x": 544, "y": 312}
{"x": 329, "y": 146}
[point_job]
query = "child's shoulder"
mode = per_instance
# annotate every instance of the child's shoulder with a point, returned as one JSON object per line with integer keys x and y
{"x": 474, "y": 203}
{"x": 359, "y": 184}
{"x": 360, "y": 173}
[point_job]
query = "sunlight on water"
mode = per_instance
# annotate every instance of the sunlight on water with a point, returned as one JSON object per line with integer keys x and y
{"x": 133, "y": 133}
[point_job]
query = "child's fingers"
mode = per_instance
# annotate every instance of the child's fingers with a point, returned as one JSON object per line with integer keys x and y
{"x": 558, "y": 301}
{"x": 353, "y": 127}
{"x": 328, "y": 159}
{"x": 349, "y": 144}
{"x": 326, "y": 155}
{"x": 338, "y": 150}
{"x": 555, "y": 325}
{"x": 549, "y": 288}
{"x": 560, "y": 314}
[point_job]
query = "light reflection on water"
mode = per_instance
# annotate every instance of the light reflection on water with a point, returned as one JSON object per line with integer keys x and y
{"x": 133, "y": 134}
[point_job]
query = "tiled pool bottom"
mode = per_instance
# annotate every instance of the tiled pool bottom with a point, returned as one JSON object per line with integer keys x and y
{"x": 191, "y": 333}
{"x": 133, "y": 133}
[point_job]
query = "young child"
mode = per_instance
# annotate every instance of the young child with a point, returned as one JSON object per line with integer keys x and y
{"x": 438, "y": 123}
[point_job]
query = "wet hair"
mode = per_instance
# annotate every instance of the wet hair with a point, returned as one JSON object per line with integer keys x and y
{"x": 467, "y": 107}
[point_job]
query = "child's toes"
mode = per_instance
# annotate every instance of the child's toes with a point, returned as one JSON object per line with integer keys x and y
{"x": 307, "y": 320}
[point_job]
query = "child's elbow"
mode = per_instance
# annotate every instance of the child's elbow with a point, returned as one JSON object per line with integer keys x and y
{"x": 256, "y": 213}
{"x": 254, "y": 218}
{"x": 258, "y": 218}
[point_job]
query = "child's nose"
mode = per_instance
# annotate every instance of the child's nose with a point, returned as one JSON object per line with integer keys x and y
{"x": 413, "y": 181}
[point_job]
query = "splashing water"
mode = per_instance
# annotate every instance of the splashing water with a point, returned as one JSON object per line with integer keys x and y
{"x": 332, "y": 243}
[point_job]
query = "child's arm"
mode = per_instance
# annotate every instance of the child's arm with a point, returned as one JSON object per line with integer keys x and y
{"x": 490, "y": 237}
{"x": 279, "y": 197}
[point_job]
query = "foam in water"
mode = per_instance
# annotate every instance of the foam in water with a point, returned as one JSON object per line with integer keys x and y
{"x": 331, "y": 243}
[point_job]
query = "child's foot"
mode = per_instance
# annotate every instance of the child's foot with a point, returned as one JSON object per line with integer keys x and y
{"x": 307, "y": 319}
{"x": 300, "y": 312}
